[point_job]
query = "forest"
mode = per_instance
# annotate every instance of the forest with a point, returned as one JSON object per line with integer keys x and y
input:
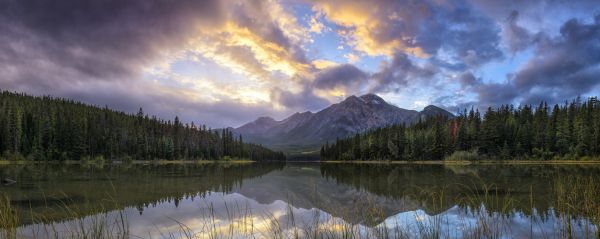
{"x": 569, "y": 131}
{"x": 47, "y": 128}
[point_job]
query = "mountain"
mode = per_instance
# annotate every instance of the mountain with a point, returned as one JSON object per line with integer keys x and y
{"x": 303, "y": 131}
{"x": 433, "y": 110}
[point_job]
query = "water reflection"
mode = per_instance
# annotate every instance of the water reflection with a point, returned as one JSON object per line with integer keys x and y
{"x": 47, "y": 189}
{"x": 307, "y": 200}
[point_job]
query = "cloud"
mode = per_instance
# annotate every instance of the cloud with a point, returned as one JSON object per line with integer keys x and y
{"x": 517, "y": 37}
{"x": 69, "y": 47}
{"x": 399, "y": 72}
{"x": 562, "y": 67}
{"x": 345, "y": 75}
{"x": 352, "y": 58}
{"x": 467, "y": 79}
{"x": 316, "y": 26}
{"x": 321, "y": 64}
{"x": 419, "y": 29}
{"x": 269, "y": 36}
{"x": 92, "y": 43}
{"x": 306, "y": 99}
{"x": 361, "y": 26}
{"x": 249, "y": 58}
{"x": 569, "y": 64}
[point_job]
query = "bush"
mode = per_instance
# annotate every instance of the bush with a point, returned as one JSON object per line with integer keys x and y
{"x": 542, "y": 154}
{"x": 99, "y": 159}
{"x": 464, "y": 155}
{"x": 127, "y": 159}
{"x": 13, "y": 156}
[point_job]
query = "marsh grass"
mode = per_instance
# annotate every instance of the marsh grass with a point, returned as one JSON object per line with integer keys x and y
{"x": 489, "y": 207}
{"x": 576, "y": 198}
{"x": 9, "y": 219}
{"x": 77, "y": 223}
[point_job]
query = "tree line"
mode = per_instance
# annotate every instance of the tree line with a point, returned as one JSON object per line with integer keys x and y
{"x": 563, "y": 131}
{"x": 48, "y": 128}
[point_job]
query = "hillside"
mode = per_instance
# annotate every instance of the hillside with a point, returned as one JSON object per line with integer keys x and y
{"x": 46, "y": 128}
{"x": 353, "y": 115}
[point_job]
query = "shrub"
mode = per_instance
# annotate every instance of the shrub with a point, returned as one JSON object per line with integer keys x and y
{"x": 464, "y": 155}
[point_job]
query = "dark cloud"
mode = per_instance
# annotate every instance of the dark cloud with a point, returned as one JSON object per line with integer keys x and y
{"x": 345, "y": 76}
{"x": 98, "y": 39}
{"x": 399, "y": 72}
{"x": 470, "y": 37}
{"x": 473, "y": 37}
{"x": 455, "y": 27}
{"x": 534, "y": 10}
{"x": 518, "y": 38}
{"x": 96, "y": 51}
{"x": 494, "y": 94}
{"x": 562, "y": 68}
{"x": 467, "y": 79}
{"x": 304, "y": 100}
{"x": 341, "y": 75}
{"x": 569, "y": 64}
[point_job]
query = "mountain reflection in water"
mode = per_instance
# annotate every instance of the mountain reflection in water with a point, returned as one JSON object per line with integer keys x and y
{"x": 366, "y": 200}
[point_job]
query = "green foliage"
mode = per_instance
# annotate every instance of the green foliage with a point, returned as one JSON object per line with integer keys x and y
{"x": 46, "y": 128}
{"x": 464, "y": 155}
{"x": 568, "y": 131}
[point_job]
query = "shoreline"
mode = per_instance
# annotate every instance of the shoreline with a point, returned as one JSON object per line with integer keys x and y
{"x": 464, "y": 162}
{"x": 433, "y": 162}
{"x": 159, "y": 162}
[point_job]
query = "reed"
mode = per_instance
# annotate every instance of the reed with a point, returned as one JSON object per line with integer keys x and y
{"x": 9, "y": 218}
{"x": 576, "y": 198}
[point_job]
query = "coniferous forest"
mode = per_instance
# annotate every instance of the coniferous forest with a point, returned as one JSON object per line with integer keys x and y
{"x": 46, "y": 128}
{"x": 569, "y": 131}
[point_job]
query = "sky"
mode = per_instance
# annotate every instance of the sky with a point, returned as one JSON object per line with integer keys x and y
{"x": 227, "y": 62}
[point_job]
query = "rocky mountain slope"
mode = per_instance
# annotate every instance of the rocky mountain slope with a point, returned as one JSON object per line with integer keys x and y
{"x": 353, "y": 115}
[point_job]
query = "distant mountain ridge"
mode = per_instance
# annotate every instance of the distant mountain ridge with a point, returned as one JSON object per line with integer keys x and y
{"x": 351, "y": 116}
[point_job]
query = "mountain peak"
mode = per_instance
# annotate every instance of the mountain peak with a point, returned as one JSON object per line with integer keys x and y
{"x": 431, "y": 107}
{"x": 257, "y": 126}
{"x": 372, "y": 99}
{"x": 264, "y": 119}
{"x": 355, "y": 114}
{"x": 432, "y": 110}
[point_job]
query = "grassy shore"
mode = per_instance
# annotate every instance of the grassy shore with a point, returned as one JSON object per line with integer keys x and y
{"x": 383, "y": 162}
{"x": 158, "y": 162}
{"x": 466, "y": 162}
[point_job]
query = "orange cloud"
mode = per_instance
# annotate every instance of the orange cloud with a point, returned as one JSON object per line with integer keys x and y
{"x": 321, "y": 64}
{"x": 363, "y": 22}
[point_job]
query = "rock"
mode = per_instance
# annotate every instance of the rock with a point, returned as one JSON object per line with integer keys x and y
{"x": 8, "y": 181}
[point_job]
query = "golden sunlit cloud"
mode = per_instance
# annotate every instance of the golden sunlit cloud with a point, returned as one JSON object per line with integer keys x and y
{"x": 321, "y": 64}
{"x": 363, "y": 22}
{"x": 252, "y": 51}
{"x": 352, "y": 58}
{"x": 317, "y": 26}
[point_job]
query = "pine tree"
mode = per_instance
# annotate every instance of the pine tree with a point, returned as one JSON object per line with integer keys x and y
{"x": 569, "y": 131}
{"x": 45, "y": 128}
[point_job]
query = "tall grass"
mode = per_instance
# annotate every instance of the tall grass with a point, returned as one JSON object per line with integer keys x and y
{"x": 575, "y": 198}
{"x": 9, "y": 219}
{"x": 101, "y": 225}
{"x": 464, "y": 156}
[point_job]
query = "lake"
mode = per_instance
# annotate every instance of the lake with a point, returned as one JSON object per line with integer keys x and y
{"x": 301, "y": 200}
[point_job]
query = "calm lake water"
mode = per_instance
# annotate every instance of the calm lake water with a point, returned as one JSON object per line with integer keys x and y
{"x": 265, "y": 200}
